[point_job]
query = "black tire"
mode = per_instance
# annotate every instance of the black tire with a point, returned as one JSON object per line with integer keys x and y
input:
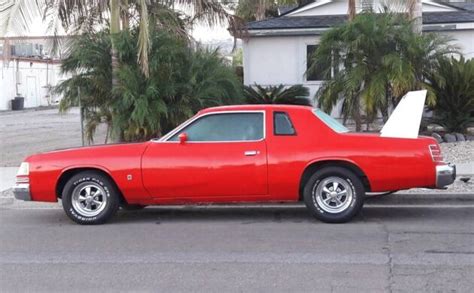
{"x": 323, "y": 205}
{"x": 101, "y": 189}
{"x": 132, "y": 207}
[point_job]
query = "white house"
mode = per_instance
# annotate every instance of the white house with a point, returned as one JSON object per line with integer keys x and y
{"x": 277, "y": 48}
{"x": 30, "y": 79}
{"x": 26, "y": 70}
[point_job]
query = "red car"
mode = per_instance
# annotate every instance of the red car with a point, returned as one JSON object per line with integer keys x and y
{"x": 236, "y": 154}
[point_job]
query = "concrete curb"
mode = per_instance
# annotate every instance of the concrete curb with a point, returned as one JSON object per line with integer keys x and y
{"x": 420, "y": 198}
{"x": 25, "y": 110}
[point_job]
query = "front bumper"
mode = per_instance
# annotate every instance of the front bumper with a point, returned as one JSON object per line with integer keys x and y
{"x": 22, "y": 191}
{"x": 445, "y": 175}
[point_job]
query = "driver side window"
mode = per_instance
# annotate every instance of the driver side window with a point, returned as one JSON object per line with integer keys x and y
{"x": 225, "y": 127}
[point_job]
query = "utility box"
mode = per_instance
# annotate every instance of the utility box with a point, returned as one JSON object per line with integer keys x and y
{"x": 18, "y": 103}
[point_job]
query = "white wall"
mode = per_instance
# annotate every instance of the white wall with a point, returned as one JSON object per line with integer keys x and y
{"x": 279, "y": 60}
{"x": 464, "y": 39}
{"x": 275, "y": 60}
{"x": 32, "y": 83}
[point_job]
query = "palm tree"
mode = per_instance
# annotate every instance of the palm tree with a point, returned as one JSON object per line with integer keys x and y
{"x": 182, "y": 80}
{"x": 293, "y": 95}
{"x": 415, "y": 13}
{"x": 77, "y": 16}
{"x": 351, "y": 10}
{"x": 89, "y": 64}
{"x": 375, "y": 60}
{"x": 251, "y": 10}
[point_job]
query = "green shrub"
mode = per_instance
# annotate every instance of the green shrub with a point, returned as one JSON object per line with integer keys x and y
{"x": 453, "y": 85}
{"x": 182, "y": 80}
{"x": 293, "y": 95}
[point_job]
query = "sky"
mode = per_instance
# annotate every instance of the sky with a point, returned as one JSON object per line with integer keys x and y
{"x": 205, "y": 34}
{"x": 201, "y": 33}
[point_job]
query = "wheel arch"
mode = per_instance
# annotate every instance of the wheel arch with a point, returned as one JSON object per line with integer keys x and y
{"x": 69, "y": 172}
{"x": 319, "y": 164}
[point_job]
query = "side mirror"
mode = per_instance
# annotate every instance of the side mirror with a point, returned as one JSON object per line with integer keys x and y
{"x": 183, "y": 137}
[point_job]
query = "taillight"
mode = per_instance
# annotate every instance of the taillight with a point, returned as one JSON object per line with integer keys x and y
{"x": 435, "y": 152}
{"x": 22, "y": 179}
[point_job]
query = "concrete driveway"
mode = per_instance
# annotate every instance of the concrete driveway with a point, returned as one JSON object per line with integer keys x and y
{"x": 32, "y": 131}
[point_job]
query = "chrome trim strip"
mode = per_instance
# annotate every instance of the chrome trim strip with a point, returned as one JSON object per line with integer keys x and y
{"x": 21, "y": 191}
{"x": 445, "y": 175}
{"x": 165, "y": 139}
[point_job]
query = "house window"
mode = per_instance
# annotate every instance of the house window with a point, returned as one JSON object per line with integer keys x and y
{"x": 313, "y": 75}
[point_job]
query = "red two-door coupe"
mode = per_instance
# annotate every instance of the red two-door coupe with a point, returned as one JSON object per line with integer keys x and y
{"x": 236, "y": 154}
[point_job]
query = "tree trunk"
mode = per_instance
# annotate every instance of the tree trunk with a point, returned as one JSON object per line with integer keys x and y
{"x": 261, "y": 9}
{"x": 351, "y": 10}
{"x": 384, "y": 107}
{"x": 114, "y": 30}
{"x": 356, "y": 114}
{"x": 415, "y": 13}
{"x": 124, "y": 16}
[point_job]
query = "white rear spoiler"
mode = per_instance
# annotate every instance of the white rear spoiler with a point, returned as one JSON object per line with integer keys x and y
{"x": 406, "y": 118}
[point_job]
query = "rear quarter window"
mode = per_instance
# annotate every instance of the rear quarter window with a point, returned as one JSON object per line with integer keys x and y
{"x": 282, "y": 124}
{"x": 330, "y": 122}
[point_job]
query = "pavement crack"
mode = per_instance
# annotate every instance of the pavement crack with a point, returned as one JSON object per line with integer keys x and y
{"x": 434, "y": 233}
{"x": 434, "y": 251}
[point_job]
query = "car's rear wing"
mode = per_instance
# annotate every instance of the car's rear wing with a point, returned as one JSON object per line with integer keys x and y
{"x": 406, "y": 118}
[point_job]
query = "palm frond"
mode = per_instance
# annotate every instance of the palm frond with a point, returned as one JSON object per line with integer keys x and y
{"x": 279, "y": 94}
{"x": 17, "y": 17}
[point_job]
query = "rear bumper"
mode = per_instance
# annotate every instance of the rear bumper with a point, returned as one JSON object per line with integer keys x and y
{"x": 21, "y": 191}
{"x": 445, "y": 175}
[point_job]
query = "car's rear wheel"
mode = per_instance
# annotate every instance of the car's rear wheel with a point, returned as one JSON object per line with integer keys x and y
{"x": 334, "y": 194}
{"x": 90, "y": 198}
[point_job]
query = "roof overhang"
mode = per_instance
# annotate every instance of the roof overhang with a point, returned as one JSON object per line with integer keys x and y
{"x": 287, "y": 32}
{"x": 319, "y": 31}
{"x": 448, "y": 27}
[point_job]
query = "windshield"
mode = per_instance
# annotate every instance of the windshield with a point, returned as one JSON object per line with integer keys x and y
{"x": 331, "y": 122}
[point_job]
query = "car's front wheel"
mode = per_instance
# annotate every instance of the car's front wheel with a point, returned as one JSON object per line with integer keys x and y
{"x": 334, "y": 195}
{"x": 89, "y": 198}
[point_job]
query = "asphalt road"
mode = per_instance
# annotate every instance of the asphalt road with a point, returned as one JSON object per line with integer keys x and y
{"x": 388, "y": 248}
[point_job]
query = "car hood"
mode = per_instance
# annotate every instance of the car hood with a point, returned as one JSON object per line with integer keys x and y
{"x": 89, "y": 153}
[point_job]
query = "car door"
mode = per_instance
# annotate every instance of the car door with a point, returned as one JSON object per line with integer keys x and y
{"x": 224, "y": 156}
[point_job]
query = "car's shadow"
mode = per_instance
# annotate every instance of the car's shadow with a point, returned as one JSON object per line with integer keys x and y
{"x": 247, "y": 215}
{"x": 282, "y": 214}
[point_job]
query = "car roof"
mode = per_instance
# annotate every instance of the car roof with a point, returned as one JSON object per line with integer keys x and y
{"x": 254, "y": 108}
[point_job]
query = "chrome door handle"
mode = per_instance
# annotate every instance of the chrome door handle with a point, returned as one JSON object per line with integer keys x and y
{"x": 251, "y": 153}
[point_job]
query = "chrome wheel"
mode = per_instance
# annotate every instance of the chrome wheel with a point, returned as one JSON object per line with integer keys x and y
{"x": 89, "y": 199}
{"x": 333, "y": 194}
